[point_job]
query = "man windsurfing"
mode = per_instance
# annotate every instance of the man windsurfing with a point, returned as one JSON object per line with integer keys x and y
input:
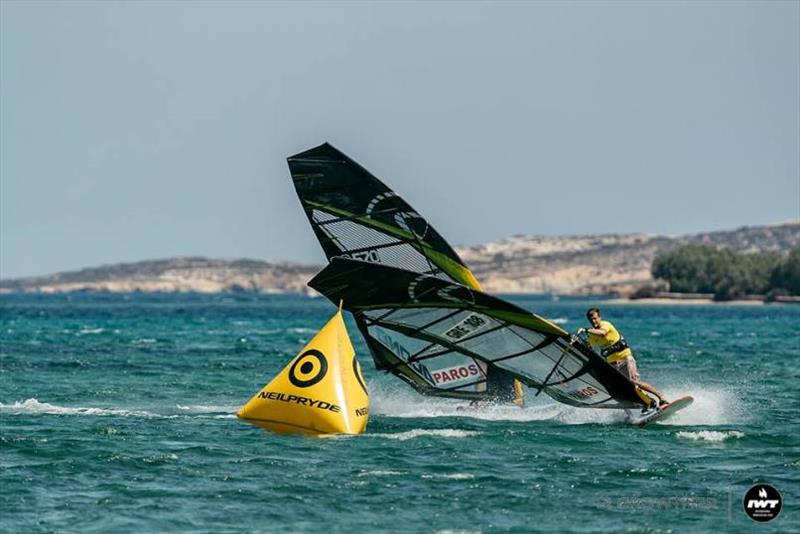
{"x": 615, "y": 349}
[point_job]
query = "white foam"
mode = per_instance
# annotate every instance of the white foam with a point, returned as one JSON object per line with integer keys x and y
{"x": 301, "y": 330}
{"x": 390, "y": 400}
{"x": 451, "y": 476}
{"x": 712, "y": 406}
{"x": 713, "y": 436}
{"x": 33, "y": 406}
{"x": 559, "y": 320}
{"x": 88, "y": 331}
{"x": 380, "y": 473}
{"x": 160, "y": 458}
{"x": 207, "y": 408}
{"x": 421, "y": 432}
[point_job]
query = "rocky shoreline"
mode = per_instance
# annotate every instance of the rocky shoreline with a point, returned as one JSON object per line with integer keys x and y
{"x": 616, "y": 264}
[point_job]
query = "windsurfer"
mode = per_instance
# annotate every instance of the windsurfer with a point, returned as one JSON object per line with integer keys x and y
{"x": 615, "y": 349}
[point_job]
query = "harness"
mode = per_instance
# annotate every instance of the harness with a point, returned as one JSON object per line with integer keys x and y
{"x": 619, "y": 346}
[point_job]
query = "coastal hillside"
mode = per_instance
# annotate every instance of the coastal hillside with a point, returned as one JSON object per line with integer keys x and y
{"x": 585, "y": 264}
{"x": 195, "y": 274}
{"x": 602, "y": 264}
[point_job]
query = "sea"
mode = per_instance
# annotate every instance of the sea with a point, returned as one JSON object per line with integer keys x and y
{"x": 117, "y": 415}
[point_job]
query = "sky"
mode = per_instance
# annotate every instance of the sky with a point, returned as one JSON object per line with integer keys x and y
{"x": 143, "y": 130}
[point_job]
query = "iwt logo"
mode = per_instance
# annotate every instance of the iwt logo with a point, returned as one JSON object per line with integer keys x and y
{"x": 762, "y": 503}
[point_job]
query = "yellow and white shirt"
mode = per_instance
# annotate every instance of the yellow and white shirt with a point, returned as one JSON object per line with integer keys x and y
{"x": 611, "y": 337}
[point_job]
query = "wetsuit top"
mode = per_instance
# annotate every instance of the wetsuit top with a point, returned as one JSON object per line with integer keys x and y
{"x": 603, "y": 342}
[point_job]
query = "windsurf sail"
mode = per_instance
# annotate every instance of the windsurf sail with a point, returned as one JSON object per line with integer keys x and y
{"x": 428, "y": 319}
{"x": 355, "y": 215}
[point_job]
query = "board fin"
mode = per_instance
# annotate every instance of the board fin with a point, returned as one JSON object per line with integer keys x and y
{"x": 321, "y": 391}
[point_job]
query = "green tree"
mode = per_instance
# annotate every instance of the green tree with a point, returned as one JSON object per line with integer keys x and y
{"x": 723, "y": 272}
{"x": 786, "y": 275}
{"x": 687, "y": 269}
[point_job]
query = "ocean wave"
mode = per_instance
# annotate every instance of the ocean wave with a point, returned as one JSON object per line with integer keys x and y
{"x": 160, "y": 458}
{"x": 207, "y": 408}
{"x": 423, "y": 432}
{"x": 33, "y": 406}
{"x": 559, "y": 320}
{"x": 713, "y": 436}
{"x": 450, "y": 476}
{"x": 301, "y": 330}
{"x": 90, "y": 331}
{"x": 380, "y": 473}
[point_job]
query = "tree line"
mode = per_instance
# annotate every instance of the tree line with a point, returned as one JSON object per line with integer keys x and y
{"x": 728, "y": 274}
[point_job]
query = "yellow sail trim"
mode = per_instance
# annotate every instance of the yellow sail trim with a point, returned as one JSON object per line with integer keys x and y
{"x": 528, "y": 320}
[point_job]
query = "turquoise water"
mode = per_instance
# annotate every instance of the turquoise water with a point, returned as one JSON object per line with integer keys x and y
{"x": 116, "y": 415}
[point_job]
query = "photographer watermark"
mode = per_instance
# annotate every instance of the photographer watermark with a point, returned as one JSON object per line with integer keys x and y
{"x": 670, "y": 502}
{"x": 762, "y": 503}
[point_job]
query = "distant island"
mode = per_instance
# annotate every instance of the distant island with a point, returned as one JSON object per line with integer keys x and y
{"x": 604, "y": 264}
{"x": 175, "y": 275}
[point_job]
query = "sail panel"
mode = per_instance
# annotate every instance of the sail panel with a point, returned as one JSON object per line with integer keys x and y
{"x": 445, "y": 370}
{"x": 356, "y": 215}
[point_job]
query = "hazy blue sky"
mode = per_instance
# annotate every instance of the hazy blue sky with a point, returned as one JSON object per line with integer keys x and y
{"x": 142, "y": 130}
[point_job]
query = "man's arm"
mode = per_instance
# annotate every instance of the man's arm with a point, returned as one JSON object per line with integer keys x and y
{"x": 595, "y": 331}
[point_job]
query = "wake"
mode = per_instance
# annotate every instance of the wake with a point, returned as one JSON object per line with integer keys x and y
{"x": 713, "y": 406}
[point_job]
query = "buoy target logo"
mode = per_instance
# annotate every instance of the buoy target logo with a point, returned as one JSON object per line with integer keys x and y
{"x": 762, "y": 503}
{"x": 308, "y": 369}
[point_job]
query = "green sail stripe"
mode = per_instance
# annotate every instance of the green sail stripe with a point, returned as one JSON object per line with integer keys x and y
{"x": 528, "y": 320}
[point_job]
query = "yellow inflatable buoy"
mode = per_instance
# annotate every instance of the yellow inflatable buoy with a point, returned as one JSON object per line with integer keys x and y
{"x": 321, "y": 391}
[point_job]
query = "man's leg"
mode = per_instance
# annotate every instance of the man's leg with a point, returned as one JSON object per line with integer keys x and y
{"x": 648, "y": 400}
{"x": 633, "y": 374}
{"x": 649, "y": 388}
{"x": 627, "y": 368}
